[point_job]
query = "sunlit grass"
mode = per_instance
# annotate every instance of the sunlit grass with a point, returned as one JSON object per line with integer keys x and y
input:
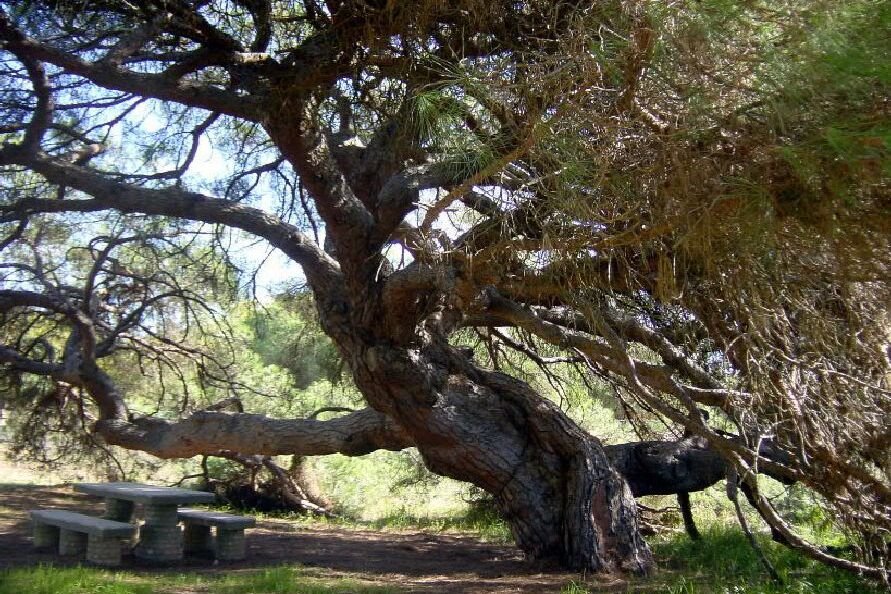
{"x": 289, "y": 580}
{"x": 485, "y": 525}
{"x": 723, "y": 562}
{"x": 85, "y": 580}
{"x": 70, "y": 580}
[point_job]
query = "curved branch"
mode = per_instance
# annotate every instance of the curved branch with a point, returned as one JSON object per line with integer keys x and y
{"x": 653, "y": 376}
{"x": 43, "y": 111}
{"x": 19, "y": 362}
{"x": 630, "y": 328}
{"x": 348, "y": 221}
{"x": 793, "y": 540}
{"x": 320, "y": 269}
{"x": 83, "y": 335}
{"x": 400, "y": 193}
{"x": 106, "y": 74}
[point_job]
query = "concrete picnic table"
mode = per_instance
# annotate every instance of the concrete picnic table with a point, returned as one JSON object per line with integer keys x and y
{"x": 160, "y": 537}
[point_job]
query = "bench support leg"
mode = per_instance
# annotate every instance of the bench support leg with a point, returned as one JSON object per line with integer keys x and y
{"x": 71, "y": 542}
{"x": 197, "y": 539}
{"x": 230, "y": 544}
{"x": 104, "y": 551}
{"x": 46, "y": 536}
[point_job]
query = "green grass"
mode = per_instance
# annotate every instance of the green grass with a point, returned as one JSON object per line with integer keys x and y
{"x": 76, "y": 580}
{"x": 485, "y": 525}
{"x": 723, "y": 562}
{"x": 289, "y": 580}
{"x": 488, "y": 526}
{"x": 573, "y": 588}
{"x": 83, "y": 580}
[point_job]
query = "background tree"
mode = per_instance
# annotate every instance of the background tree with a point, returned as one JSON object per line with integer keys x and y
{"x": 690, "y": 201}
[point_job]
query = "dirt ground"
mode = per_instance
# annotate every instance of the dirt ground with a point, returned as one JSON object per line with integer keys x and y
{"x": 416, "y": 561}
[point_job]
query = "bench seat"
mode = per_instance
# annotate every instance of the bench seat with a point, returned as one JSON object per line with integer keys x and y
{"x": 214, "y": 518}
{"x": 229, "y": 544}
{"x": 73, "y": 533}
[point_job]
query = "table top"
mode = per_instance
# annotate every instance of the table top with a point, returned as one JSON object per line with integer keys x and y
{"x": 140, "y": 493}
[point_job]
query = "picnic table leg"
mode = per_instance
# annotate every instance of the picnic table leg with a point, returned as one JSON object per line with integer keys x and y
{"x": 160, "y": 538}
{"x": 119, "y": 510}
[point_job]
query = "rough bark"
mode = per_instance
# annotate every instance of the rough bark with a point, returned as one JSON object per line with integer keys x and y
{"x": 551, "y": 481}
{"x": 687, "y": 516}
{"x": 354, "y": 434}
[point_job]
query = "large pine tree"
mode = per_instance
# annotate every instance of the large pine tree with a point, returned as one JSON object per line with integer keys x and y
{"x": 690, "y": 200}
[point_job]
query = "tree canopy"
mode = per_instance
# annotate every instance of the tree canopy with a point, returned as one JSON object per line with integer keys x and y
{"x": 688, "y": 200}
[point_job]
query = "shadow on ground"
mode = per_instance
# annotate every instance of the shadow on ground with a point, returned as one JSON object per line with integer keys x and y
{"x": 415, "y": 561}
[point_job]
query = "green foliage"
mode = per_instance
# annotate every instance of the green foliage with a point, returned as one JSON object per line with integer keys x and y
{"x": 386, "y": 484}
{"x": 438, "y": 116}
{"x": 824, "y": 86}
{"x": 286, "y": 333}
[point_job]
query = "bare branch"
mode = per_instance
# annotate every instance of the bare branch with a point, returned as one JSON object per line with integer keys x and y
{"x": 354, "y": 434}
{"x": 172, "y": 202}
{"x": 158, "y": 86}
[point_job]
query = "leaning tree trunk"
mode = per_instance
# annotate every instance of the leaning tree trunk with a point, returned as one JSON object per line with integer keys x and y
{"x": 551, "y": 480}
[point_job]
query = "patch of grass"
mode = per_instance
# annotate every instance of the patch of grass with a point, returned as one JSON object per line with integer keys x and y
{"x": 289, "y": 580}
{"x": 573, "y": 588}
{"x": 723, "y": 562}
{"x": 85, "y": 580}
{"x": 487, "y": 526}
{"x": 47, "y": 579}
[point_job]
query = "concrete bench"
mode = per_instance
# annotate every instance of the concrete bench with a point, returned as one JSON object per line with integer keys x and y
{"x": 229, "y": 544}
{"x": 72, "y": 533}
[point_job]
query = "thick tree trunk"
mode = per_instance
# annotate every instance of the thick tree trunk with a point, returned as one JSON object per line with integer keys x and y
{"x": 551, "y": 480}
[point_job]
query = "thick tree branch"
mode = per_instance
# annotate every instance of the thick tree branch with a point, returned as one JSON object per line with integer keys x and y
{"x": 400, "y": 194}
{"x": 349, "y": 224}
{"x": 13, "y": 358}
{"x": 43, "y": 111}
{"x": 133, "y": 41}
{"x": 354, "y": 434}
